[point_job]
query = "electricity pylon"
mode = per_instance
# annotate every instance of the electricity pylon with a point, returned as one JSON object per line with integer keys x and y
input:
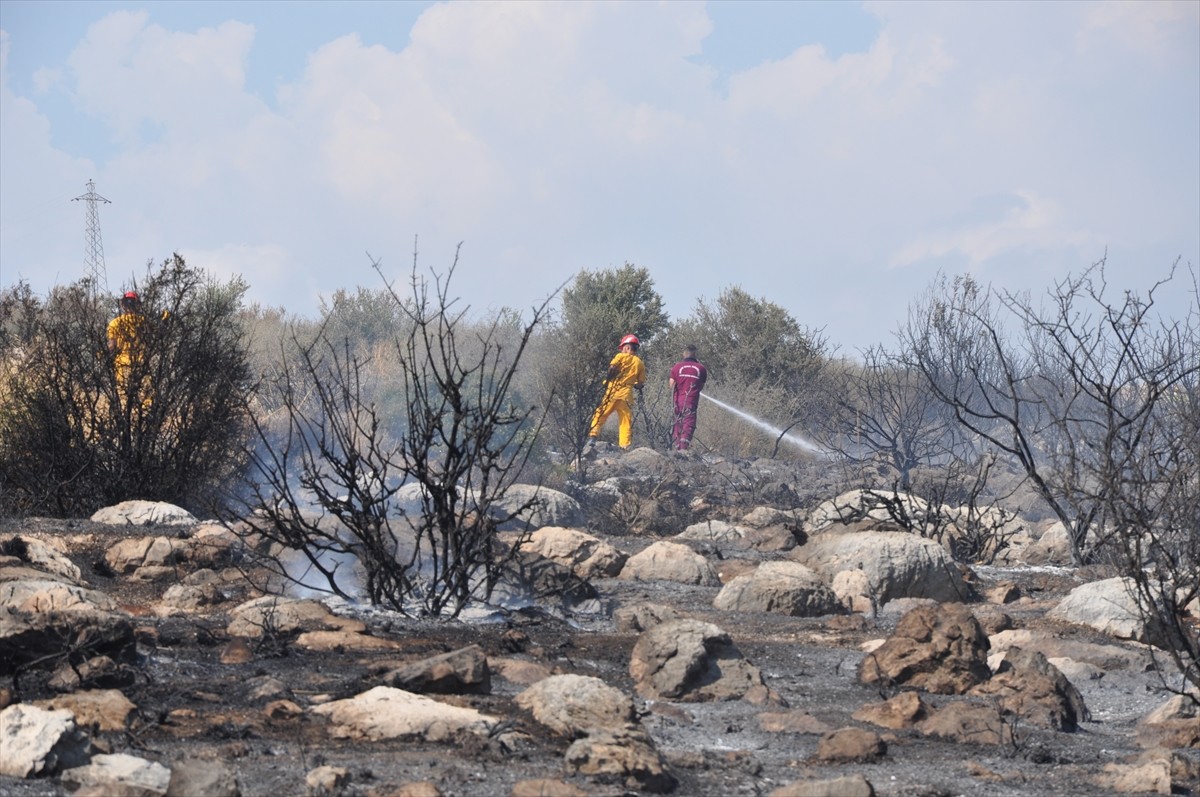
{"x": 94, "y": 251}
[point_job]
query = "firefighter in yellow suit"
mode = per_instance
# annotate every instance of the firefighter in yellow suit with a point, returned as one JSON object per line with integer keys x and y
{"x": 125, "y": 344}
{"x": 625, "y": 374}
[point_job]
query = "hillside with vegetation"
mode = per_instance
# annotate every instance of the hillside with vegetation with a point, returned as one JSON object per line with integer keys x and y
{"x": 415, "y": 465}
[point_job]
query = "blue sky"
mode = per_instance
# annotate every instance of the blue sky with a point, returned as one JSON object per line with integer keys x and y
{"x": 829, "y": 157}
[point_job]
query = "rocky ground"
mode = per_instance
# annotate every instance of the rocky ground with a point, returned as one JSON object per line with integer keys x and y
{"x": 234, "y": 709}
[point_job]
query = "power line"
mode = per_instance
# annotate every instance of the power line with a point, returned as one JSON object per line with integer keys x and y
{"x": 94, "y": 251}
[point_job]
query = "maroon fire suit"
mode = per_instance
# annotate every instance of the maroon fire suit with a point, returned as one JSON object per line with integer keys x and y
{"x": 687, "y": 380}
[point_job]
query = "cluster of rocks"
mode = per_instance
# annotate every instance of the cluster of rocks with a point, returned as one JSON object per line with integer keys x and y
{"x": 955, "y": 667}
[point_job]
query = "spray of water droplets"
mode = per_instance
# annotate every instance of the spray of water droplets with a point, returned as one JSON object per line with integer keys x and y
{"x": 795, "y": 440}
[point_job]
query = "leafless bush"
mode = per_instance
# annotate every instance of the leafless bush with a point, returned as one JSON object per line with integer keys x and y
{"x": 1096, "y": 399}
{"x": 1065, "y": 395}
{"x": 964, "y": 514}
{"x": 1157, "y": 518}
{"x": 654, "y": 412}
{"x": 653, "y": 504}
{"x": 329, "y": 489}
{"x": 881, "y": 412}
{"x": 569, "y": 385}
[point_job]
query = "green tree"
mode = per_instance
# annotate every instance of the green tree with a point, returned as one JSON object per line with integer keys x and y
{"x": 572, "y": 356}
{"x": 613, "y": 303}
{"x": 754, "y": 341}
{"x": 365, "y": 317}
{"x": 760, "y": 359}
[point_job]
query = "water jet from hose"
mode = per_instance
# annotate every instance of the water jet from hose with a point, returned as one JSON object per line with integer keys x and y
{"x": 780, "y": 434}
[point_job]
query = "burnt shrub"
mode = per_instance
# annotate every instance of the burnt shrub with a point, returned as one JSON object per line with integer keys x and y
{"x": 75, "y": 437}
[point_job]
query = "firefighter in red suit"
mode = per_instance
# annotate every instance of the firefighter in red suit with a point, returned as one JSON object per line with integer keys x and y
{"x": 687, "y": 380}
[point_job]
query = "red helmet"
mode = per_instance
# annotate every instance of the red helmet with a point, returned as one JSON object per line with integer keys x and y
{"x": 132, "y": 295}
{"x": 631, "y": 339}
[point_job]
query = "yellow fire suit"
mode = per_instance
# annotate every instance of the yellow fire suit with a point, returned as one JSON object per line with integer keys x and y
{"x": 124, "y": 339}
{"x": 625, "y": 372}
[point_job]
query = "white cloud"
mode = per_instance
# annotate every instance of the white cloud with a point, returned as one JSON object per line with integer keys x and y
{"x": 46, "y": 79}
{"x": 133, "y": 74}
{"x": 1034, "y": 223}
{"x": 42, "y": 238}
{"x": 382, "y": 137}
{"x": 269, "y": 264}
{"x": 888, "y": 80}
{"x": 1162, "y": 31}
{"x": 558, "y": 136}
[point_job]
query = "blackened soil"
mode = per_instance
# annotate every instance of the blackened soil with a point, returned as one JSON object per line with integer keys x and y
{"x": 190, "y": 704}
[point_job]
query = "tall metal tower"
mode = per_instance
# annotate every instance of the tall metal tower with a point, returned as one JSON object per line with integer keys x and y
{"x": 94, "y": 251}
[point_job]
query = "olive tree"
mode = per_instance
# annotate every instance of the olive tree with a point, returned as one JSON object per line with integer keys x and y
{"x": 599, "y": 307}
{"x": 572, "y": 357}
{"x": 761, "y": 360}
